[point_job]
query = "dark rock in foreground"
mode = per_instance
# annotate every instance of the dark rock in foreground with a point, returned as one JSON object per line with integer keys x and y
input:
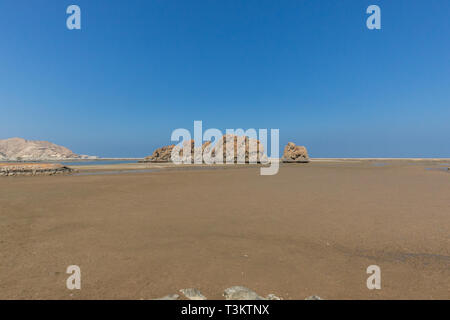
{"x": 193, "y": 294}
{"x": 241, "y": 293}
{"x": 313, "y": 298}
{"x": 232, "y": 293}
{"x": 170, "y": 297}
{"x": 293, "y": 153}
{"x": 33, "y": 169}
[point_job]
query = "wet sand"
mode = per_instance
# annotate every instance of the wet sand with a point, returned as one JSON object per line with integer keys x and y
{"x": 312, "y": 229}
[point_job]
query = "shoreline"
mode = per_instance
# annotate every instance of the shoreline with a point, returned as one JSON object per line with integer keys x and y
{"x": 137, "y": 166}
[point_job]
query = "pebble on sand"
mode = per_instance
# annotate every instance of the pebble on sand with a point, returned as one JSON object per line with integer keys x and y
{"x": 313, "y": 298}
{"x": 241, "y": 293}
{"x": 193, "y": 294}
{"x": 170, "y": 297}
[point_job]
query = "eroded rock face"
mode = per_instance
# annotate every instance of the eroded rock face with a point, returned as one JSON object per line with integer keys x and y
{"x": 193, "y": 154}
{"x": 293, "y": 153}
{"x": 237, "y": 149}
{"x": 162, "y": 154}
{"x": 33, "y": 169}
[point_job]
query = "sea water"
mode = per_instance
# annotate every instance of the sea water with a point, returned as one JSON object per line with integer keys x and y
{"x": 95, "y": 162}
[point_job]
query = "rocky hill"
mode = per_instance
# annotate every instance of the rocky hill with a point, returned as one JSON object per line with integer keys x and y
{"x": 18, "y": 149}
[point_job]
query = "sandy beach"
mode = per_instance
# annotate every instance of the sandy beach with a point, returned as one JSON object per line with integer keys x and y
{"x": 312, "y": 229}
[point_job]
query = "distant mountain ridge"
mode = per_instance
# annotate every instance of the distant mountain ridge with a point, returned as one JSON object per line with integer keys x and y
{"x": 18, "y": 149}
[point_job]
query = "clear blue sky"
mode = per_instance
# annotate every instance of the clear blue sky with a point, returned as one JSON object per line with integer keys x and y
{"x": 139, "y": 69}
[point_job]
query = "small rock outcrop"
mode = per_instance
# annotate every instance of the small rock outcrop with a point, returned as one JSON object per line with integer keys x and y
{"x": 293, "y": 153}
{"x": 33, "y": 169}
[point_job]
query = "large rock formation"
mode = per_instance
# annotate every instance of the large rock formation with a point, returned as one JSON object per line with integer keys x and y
{"x": 293, "y": 153}
{"x": 162, "y": 154}
{"x": 18, "y": 149}
{"x": 242, "y": 150}
{"x": 32, "y": 169}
